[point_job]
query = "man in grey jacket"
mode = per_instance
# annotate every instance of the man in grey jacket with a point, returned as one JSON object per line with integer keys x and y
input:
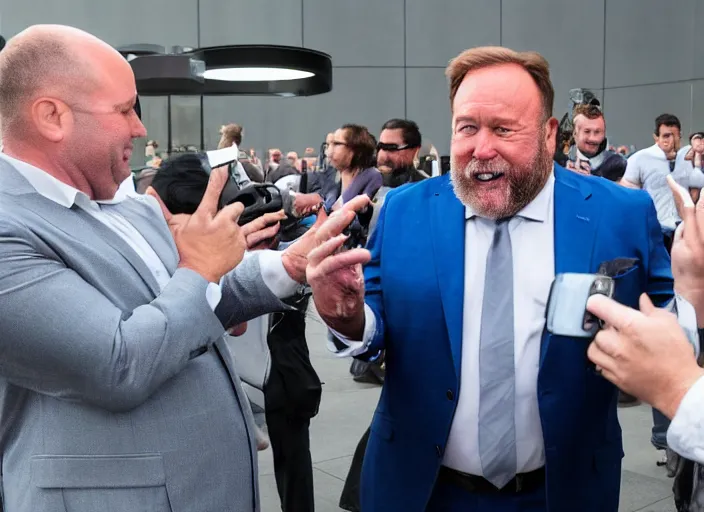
{"x": 118, "y": 391}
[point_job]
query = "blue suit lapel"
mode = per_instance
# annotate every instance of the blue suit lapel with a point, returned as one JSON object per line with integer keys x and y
{"x": 447, "y": 222}
{"x": 576, "y": 219}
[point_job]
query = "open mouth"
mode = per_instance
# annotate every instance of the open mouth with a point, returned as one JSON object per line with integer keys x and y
{"x": 486, "y": 177}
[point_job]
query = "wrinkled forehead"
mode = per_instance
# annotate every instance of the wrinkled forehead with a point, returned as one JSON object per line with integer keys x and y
{"x": 584, "y": 123}
{"x": 500, "y": 90}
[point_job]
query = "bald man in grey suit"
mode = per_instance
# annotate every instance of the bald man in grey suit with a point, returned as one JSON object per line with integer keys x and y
{"x": 117, "y": 389}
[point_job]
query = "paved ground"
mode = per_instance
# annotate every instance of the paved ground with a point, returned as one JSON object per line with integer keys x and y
{"x": 346, "y": 410}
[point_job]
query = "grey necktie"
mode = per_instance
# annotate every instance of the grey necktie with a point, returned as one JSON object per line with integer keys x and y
{"x": 497, "y": 427}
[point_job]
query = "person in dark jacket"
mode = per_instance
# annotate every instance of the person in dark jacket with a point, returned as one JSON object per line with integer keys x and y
{"x": 589, "y": 154}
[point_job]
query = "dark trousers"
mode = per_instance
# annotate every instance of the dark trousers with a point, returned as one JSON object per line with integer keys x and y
{"x": 349, "y": 499}
{"x": 291, "y": 398}
{"x": 450, "y": 498}
{"x": 659, "y": 432}
{"x": 293, "y": 468}
{"x": 660, "y": 421}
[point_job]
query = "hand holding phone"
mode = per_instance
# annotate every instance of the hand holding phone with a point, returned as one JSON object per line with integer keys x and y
{"x": 567, "y": 313}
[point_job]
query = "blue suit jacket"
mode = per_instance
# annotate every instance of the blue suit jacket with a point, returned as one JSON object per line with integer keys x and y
{"x": 415, "y": 284}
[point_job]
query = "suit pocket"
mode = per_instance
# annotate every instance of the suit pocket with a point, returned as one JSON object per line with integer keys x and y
{"x": 118, "y": 483}
{"x": 627, "y": 286}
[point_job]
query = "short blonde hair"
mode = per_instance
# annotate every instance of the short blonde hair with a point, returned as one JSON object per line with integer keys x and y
{"x": 476, "y": 58}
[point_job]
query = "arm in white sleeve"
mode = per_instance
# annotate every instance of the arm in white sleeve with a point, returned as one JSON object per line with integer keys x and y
{"x": 687, "y": 319}
{"x": 351, "y": 347}
{"x": 685, "y": 435}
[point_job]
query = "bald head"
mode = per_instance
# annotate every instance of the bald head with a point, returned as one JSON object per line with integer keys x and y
{"x": 49, "y": 60}
{"x": 67, "y": 107}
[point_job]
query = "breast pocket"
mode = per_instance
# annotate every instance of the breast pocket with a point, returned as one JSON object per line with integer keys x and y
{"x": 628, "y": 286}
{"x": 125, "y": 483}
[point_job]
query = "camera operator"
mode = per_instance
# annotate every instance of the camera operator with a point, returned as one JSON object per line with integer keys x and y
{"x": 113, "y": 310}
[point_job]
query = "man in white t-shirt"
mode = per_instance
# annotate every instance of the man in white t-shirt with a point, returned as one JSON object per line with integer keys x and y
{"x": 648, "y": 169}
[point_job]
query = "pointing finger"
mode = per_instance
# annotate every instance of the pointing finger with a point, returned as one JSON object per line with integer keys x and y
{"x": 613, "y": 313}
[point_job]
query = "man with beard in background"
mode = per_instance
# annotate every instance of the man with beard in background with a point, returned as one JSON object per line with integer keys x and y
{"x": 481, "y": 408}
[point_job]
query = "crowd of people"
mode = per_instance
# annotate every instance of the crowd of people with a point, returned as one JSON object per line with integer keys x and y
{"x": 120, "y": 391}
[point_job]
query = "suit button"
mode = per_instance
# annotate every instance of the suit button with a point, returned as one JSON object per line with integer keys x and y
{"x": 450, "y": 395}
{"x": 438, "y": 450}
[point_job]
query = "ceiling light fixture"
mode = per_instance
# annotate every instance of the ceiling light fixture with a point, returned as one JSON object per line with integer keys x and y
{"x": 258, "y": 70}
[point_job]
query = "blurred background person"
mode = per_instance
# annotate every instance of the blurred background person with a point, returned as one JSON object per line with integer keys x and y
{"x": 353, "y": 154}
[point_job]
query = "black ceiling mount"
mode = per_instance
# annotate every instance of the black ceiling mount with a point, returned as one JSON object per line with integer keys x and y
{"x": 185, "y": 71}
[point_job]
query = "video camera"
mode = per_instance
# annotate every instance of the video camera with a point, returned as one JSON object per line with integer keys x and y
{"x": 182, "y": 179}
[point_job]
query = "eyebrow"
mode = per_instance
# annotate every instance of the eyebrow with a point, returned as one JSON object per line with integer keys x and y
{"x": 127, "y": 104}
{"x": 495, "y": 120}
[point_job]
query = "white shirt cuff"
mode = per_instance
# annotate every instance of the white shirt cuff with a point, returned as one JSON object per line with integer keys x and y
{"x": 213, "y": 294}
{"x": 274, "y": 274}
{"x": 685, "y": 435}
{"x": 355, "y": 348}
{"x": 687, "y": 319}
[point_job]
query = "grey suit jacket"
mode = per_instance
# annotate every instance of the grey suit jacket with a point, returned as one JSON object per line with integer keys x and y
{"x": 114, "y": 396}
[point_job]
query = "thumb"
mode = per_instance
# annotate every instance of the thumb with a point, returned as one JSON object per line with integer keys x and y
{"x": 167, "y": 214}
{"x": 646, "y": 305}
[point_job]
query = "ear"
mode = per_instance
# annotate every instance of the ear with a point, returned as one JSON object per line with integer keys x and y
{"x": 655, "y": 137}
{"x": 551, "y": 134}
{"x": 52, "y": 118}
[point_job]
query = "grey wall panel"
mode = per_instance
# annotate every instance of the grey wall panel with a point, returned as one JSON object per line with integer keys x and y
{"x": 364, "y": 96}
{"x": 154, "y": 117}
{"x": 429, "y": 106}
{"x": 251, "y": 22}
{"x": 631, "y": 111}
{"x": 568, "y": 33}
{"x": 435, "y": 35}
{"x": 246, "y": 111}
{"x": 697, "y": 107}
{"x": 697, "y": 62}
{"x": 164, "y": 22}
{"x": 356, "y": 33}
{"x": 649, "y": 41}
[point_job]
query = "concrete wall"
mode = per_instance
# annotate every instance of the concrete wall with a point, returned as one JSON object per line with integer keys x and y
{"x": 640, "y": 56}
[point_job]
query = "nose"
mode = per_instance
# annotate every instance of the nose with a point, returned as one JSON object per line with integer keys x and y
{"x": 484, "y": 145}
{"x": 138, "y": 129}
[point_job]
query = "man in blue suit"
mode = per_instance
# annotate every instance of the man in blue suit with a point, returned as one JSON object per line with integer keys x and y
{"x": 482, "y": 409}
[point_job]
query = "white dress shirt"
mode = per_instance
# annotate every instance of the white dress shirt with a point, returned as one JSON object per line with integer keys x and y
{"x": 273, "y": 273}
{"x": 532, "y": 240}
{"x": 685, "y": 435}
{"x": 532, "y": 243}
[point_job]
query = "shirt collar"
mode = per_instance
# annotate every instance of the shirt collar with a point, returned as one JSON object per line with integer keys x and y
{"x": 538, "y": 209}
{"x": 59, "y": 192}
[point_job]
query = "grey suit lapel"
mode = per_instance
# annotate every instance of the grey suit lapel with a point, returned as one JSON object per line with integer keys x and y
{"x": 152, "y": 227}
{"x": 83, "y": 227}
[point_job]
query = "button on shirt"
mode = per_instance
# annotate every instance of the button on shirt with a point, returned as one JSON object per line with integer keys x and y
{"x": 532, "y": 238}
